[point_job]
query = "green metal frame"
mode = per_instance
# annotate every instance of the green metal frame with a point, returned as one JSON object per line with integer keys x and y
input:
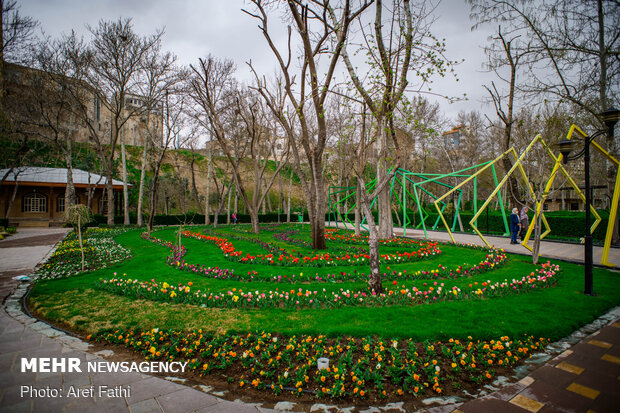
{"x": 417, "y": 181}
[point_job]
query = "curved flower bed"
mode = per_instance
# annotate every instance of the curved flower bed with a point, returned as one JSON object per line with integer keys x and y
{"x": 318, "y": 260}
{"x": 361, "y": 368}
{"x": 494, "y": 259}
{"x": 545, "y": 277}
{"x": 100, "y": 251}
{"x": 176, "y": 260}
{"x": 333, "y": 234}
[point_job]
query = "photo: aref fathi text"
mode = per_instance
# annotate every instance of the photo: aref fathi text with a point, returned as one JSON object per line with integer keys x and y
{"x": 100, "y": 391}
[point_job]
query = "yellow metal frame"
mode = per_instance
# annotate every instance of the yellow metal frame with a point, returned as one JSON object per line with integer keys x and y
{"x": 539, "y": 205}
{"x": 456, "y": 188}
{"x": 613, "y": 213}
{"x": 516, "y": 165}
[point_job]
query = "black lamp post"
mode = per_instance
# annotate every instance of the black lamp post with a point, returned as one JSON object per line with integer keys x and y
{"x": 609, "y": 117}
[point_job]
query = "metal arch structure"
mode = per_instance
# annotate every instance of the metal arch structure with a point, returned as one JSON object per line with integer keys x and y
{"x": 539, "y": 204}
{"x": 417, "y": 181}
{"x": 403, "y": 177}
{"x": 613, "y": 213}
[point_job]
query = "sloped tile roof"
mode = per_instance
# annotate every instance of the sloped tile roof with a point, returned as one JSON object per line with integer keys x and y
{"x": 55, "y": 176}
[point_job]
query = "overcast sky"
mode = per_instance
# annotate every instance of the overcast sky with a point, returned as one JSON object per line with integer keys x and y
{"x": 195, "y": 28}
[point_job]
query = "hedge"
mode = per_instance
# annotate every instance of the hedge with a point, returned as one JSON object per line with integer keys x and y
{"x": 564, "y": 224}
{"x": 195, "y": 219}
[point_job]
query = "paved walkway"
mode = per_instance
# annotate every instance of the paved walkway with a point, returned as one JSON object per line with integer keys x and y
{"x": 583, "y": 378}
{"x": 549, "y": 249}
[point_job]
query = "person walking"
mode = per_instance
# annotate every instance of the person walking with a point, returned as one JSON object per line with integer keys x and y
{"x": 524, "y": 221}
{"x": 514, "y": 225}
{"x": 234, "y": 217}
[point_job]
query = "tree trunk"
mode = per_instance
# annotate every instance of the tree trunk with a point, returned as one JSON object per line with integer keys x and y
{"x": 228, "y": 209}
{"x": 110, "y": 191}
{"x": 12, "y": 200}
{"x": 374, "y": 281}
{"x": 80, "y": 238}
{"x": 153, "y": 200}
{"x": 125, "y": 190}
{"x": 143, "y": 172}
{"x": 153, "y": 206}
{"x": 221, "y": 204}
{"x": 358, "y": 218}
{"x": 264, "y": 204}
{"x": 208, "y": 196}
{"x": 70, "y": 197}
{"x": 317, "y": 212}
{"x": 254, "y": 219}
{"x": 236, "y": 203}
{"x": 386, "y": 226}
{"x": 537, "y": 234}
{"x": 194, "y": 187}
{"x": 281, "y": 189}
{"x": 288, "y": 202}
{"x": 267, "y": 198}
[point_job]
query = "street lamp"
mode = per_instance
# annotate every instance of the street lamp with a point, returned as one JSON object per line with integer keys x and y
{"x": 609, "y": 117}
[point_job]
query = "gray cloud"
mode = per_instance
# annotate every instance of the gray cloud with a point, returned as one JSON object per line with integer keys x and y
{"x": 196, "y": 28}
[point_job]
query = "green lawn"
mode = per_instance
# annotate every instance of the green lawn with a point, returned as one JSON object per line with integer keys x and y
{"x": 551, "y": 312}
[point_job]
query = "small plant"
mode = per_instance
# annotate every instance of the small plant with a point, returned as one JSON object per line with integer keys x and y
{"x": 78, "y": 216}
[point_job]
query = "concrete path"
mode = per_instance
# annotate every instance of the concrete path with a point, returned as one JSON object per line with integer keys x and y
{"x": 549, "y": 249}
{"x": 584, "y": 378}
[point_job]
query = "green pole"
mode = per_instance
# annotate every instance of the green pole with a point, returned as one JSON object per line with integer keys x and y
{"x": 475, "y": 195}
{"x": 439, "y": 217}
{"x": 499, "y": 197}
{"x": 404, "y": 206}
{"x": 456, "y": 209}
{"x": 417, "y": 200}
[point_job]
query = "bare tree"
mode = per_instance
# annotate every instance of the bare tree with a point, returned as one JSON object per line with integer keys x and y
{"x": 215, "y": 90}
{"x": 117, "y": 54}
{"x": 365, "y": 199}
{"x": 507, "y": 55}
{"x": 16, "y": 34}
{"x": 158, "y": 74}
{"x": 318, "y": 39}
{"x": 174, "y": 118}
{"x": 53, "y": 106}
{"x": 396, "y": 47}
{"x": 574, "y": 53}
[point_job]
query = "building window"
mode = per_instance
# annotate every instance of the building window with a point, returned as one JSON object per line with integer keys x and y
{"x": 60, "y": 204}
{"x": 35, "y": 202}
{"x": 574, "y": 206}
{"x": 118, "y": 203}
{"x": 546, "y": 206}
{"x": 97, "y": 109}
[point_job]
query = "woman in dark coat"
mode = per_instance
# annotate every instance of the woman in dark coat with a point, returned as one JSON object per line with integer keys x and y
{"x": 514, "y": 225}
